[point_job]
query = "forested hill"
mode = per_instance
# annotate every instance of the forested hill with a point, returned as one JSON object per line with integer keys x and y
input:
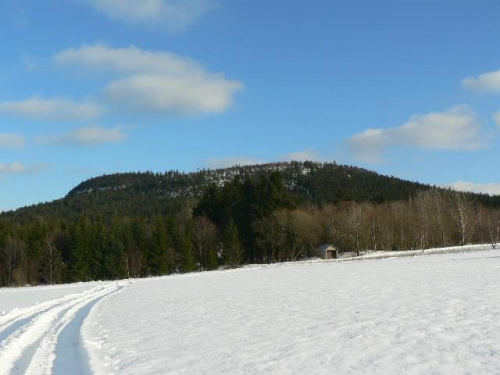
{"x": 320, "y": 183}
{"x": 146, "y": 224}
{"x": 174, "y": 192}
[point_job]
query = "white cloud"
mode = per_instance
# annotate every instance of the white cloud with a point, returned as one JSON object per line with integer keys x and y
{"x": 58, "y": 109}
{"x": 306, "y": 155}
{"x": 155, "y": 81}
{"x": 370, "y": 145}
{"x": 20, "y": 168}
{"x": 128, "y": 60}
{"x": 490, "y": 188}
{"x": 486, "y": 82}
{"x": 231, "y": 161}
{"x": 182, "y": 95}
{"x": 86, "y": 136}
{"x": 11, "y": 140}
{"x": 171, "y": 14}
{"x": 455, "y": 129}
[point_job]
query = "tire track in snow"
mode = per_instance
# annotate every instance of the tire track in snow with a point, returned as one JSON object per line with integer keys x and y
{"x": 16, "y": 318}
{"x": 33, "y": 333}
{"x": 71, "y": 355}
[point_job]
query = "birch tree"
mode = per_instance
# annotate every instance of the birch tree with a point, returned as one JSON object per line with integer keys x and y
{"x": 462, "y": 211}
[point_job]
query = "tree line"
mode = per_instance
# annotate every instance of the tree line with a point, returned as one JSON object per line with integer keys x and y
{"x": 147, "y": 193}
{"x": 257, "y": 220}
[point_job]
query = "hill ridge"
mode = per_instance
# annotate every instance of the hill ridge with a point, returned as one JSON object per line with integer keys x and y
{"x": 146, "y": 193}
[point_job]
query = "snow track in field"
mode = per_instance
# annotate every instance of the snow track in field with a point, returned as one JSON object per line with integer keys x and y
{"x": 29, "y": 336}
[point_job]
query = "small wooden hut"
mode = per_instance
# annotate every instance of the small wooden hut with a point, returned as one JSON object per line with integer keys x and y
{"x": 328, "y": 251}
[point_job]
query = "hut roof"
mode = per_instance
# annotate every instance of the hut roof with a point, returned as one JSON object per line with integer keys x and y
{"x": 327, "y": 247}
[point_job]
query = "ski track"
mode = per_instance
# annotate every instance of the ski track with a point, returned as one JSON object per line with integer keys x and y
{"x": 30, "y": 336}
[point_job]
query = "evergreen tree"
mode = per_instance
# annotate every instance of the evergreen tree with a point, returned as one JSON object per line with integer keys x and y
{"x": 79, "y": 265}
{"x": 97, "y": 247}
{"x": 212, "y": 259}
{"x": 188, "y": 263}
{"x": 33, "y": 235}
{"x": 233, "y": 252}
{"x": 173, "y": 240}
{"x": 158, "y": 255}
{"x": 114, "y": 258}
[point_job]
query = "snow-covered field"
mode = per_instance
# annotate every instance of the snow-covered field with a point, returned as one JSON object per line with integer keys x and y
{"x": 436, "y": 314}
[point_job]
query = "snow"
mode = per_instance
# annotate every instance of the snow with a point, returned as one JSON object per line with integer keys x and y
{"x": 29, "y": 335}
{"x": 436, "y": 314}
{"x": 21, "y": 297}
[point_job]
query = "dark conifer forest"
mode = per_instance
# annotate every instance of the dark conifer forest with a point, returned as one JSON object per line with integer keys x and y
{"x": 146, "y": 224}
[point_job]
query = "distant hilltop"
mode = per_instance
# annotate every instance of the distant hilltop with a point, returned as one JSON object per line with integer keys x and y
{"x": 147, "y": 192}
{"x": 321, "y": 182}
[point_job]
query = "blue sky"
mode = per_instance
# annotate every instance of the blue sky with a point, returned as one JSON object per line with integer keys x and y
{"x": 407, "y": 88}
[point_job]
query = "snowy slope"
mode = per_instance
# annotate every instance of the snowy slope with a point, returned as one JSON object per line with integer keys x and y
{"x": 434, "y": 314}
{"x": 11, "y": 298}
{"x": 38, "y": 339}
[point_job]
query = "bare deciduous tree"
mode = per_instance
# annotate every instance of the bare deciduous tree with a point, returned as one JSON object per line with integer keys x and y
{"x": 134, "y": 259}
{"x": 462, "y": 211}
{"x": 492, "y": 225}
{"x": 205, "y": 242}
{"x": 349, "y": 225}
{"x": 269, "y": 237}
{"x": 440, "y": 206}
{"x": 11, "y": 255}
{"x": 51, "y": 262}
{"x": 424, "y": 207}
